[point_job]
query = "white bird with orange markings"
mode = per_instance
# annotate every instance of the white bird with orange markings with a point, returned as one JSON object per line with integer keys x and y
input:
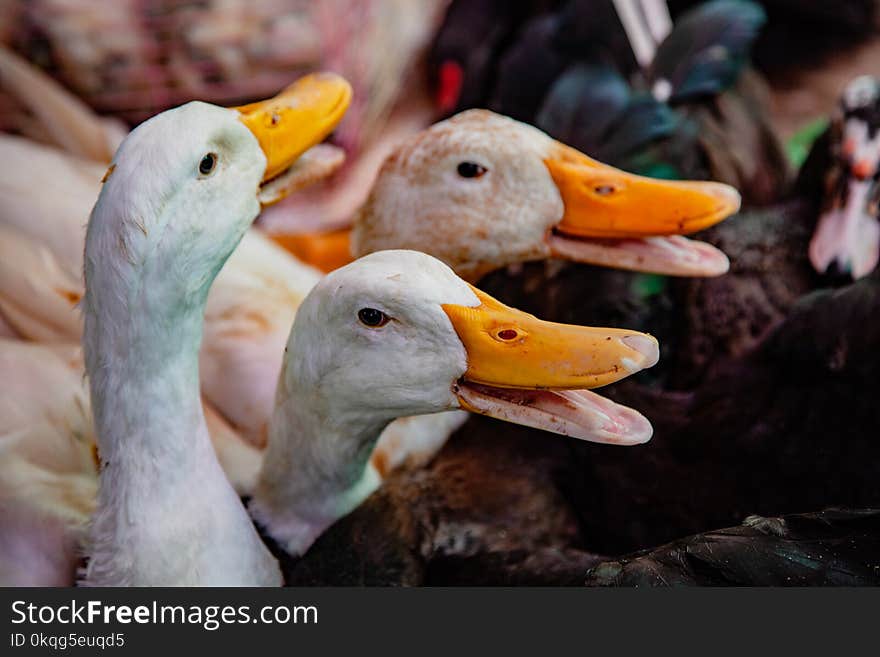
{"x": 182, "y": 191}
{"x": 47, "y": 198}
{"x": 313, "y": 106}
{"x": 397, "y": 333}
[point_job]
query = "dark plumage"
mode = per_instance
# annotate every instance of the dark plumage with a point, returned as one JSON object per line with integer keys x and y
{"x": 707, "y": 49}
{"x": 695, "y": 113}
{"x": 829, "y": 548}
{"x": 498, "y": 494}
{"x": 788, "y": 427}
{"x": 802, "y": 33}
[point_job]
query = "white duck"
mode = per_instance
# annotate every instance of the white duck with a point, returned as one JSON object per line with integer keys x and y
{"x": 180, "y": 194}
{"x": 479, "y": 191}
{"x": 397, "y": 333}
{"x": 47, "y": 196}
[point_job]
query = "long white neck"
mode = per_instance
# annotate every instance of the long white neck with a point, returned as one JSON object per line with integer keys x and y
{"x": 166, "y": 513}
{"x": 316, "y": 470}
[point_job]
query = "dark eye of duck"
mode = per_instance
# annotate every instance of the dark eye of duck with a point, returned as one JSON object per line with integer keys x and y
{"x": 471, "y": 170}
{"x": 208, "y": 164}
{"x": 372, "y": 317}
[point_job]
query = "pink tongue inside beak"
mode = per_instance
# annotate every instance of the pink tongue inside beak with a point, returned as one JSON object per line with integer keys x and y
{"x": 848, "y": 235}
{"x": 577, "y": 413}
{"x": 672, "y": 255}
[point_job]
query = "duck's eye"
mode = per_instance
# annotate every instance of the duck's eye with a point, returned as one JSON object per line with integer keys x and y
{"x": 208, "y": 164}
{"x": 471, "y": 170}
{"x": 372, "y": 317}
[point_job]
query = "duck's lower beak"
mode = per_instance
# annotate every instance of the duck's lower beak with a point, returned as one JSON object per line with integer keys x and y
{"x": 848, "y": 235}
{"x": 299, "y": 117}
{"x": 622, "y": 220}
{"x": 528, "y": 371}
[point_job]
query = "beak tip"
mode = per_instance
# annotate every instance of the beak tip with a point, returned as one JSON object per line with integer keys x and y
{"x": 647, "y": 346}
{"x": 731, "y": 197}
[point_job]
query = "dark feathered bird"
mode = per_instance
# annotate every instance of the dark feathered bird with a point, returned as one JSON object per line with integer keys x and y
{"x": 788, "y": 427}
{"x": 801, "y": 33}
{"x": 823, "y": 234}
{"x": 489, "y": 492}
{"x": 695, "y": 112}
{"x": 836, "y": 547}
{"x": 704, "y": 322}
{"x": 461, "y": 61}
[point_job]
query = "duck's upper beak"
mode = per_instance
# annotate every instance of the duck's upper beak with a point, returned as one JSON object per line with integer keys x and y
{"x": 622, "y": 220}
{"x": 299, "y": 117}
{"x": 528, "y": 371}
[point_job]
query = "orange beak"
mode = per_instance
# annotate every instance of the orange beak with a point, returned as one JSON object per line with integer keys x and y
{"x": 512, "y": 349}
{"x": 299, "y": 117}
{"x": 619, "y": 219}
{"x": 528, "y": 371}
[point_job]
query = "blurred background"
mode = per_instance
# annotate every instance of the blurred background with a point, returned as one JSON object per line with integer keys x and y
{"x": 410, "y": 61}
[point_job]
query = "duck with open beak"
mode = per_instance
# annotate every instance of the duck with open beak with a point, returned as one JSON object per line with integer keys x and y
{"x": 847, "y": 237}
{"x": 537, "y": 373}
{"x": 292, "y": 122}
{"x": 481, "y": 191}
{"x": 617, "y": 219}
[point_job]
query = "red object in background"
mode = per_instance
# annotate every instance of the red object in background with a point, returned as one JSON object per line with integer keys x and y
{"x": 863, "y": 169}
{"x": 449, "y": 88}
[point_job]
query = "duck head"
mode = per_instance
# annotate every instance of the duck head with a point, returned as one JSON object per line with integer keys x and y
{"x": 185, "y": 185}
{"x": 397, "y": 333}
{"x": 481, "y": 191}
{"x": 847, "y": 237}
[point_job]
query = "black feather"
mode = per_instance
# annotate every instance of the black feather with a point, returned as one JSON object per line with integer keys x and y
{"x": 527, "y": 70}
{"x": 708, "y": 48}
{"x": 583, "y": 104}
{"x": 829, "y": 548}
{"x": 645, "y": 121}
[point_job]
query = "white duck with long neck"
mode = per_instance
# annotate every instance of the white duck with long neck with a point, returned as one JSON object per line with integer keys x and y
{"x": 182, "y": 190}
{"x": 179, "y": 196}
{"x": 396, "y": 334}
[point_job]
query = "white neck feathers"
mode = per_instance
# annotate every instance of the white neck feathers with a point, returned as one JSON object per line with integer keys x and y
{"x": 166, "y": 513}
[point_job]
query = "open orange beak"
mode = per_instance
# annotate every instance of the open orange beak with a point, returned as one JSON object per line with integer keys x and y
{"x": 528, "y": 371}
{"x": 289, "y": 124}
{"x": 622, "y": 220}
